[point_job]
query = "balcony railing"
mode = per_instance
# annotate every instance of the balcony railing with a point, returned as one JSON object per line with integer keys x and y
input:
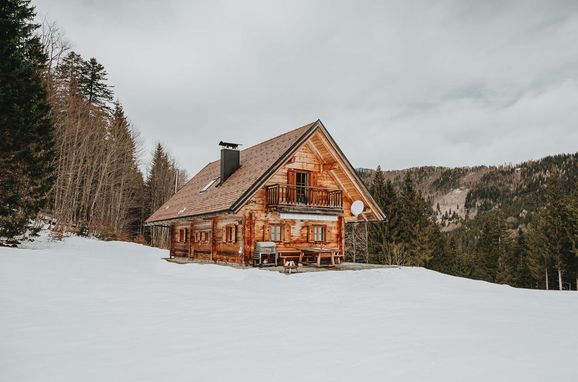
{"x": 285, "y": 195}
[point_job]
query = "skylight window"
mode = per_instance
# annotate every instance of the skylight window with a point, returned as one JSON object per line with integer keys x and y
{"x": 209, "y": 185}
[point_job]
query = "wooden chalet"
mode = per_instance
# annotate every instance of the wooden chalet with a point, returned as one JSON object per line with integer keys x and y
{"x": 295, "y": 190}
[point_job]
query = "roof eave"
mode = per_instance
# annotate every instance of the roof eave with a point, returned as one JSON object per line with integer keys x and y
{"x": 170, "y": 221}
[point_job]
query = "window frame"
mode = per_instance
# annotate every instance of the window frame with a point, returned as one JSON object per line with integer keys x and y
{"x": 183, "y": 235}
{"x": 273, "y": 237}
{"x": 231, "y": 233}
{"x": 319, "y": 230}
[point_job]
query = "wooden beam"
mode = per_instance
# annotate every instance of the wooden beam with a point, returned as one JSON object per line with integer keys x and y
{"x": 329, "y": 166}
{"x": 311, "y": 147}
{"x": 341, "y": 235}
{"x": 172, "y": 241}
{"x": 213, "y": 237}
{"x": 192, "y": 239}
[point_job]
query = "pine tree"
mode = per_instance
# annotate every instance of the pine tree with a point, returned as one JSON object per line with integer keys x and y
{"x": 540, "y": 257}
{"x": 408, "y": 214}
{"x": 521, "y": 252}
{"x": 382, "y": 234}
{"x": 573, "y": 228}
{"x": 27, "y": 144}
{"x": 492, "y": 245}
{"x": 557, "y": 229}
{"x": 68, "y": 74}
{"x": 160, "y": 186}
{"x": 92, "y": 84}
{"x": 552, "y": 245}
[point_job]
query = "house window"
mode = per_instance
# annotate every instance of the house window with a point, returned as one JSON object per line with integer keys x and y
{"x": 183, "y": 235}
{"x": 231, "y": 233}
{"x": 201, "y": 236}
{"x": 319, "y": 233}
{"x": 276, "y": 232}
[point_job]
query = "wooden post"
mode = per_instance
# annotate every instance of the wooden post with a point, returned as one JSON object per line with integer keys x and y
{"x": 366, "y": 243}
{"x": 353, "y": 234}
{"x": 171, "y": 240}
{"x": 192, "y": 239}
{"x": 213, "y": 237}
{"x": 341, "y": 235}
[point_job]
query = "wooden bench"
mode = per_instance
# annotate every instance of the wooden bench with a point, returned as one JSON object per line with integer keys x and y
{"x": 320, "y": 253}
{"x": 290, "y": 260}
{"x": 293, "y": 255}
{"x": 290, "y": 266}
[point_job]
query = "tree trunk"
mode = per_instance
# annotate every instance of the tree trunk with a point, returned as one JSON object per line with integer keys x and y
{"x": 547, "y": 287}
{"x": 559, "y": 279}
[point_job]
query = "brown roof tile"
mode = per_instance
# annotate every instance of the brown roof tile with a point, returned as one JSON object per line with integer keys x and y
{"x": 255, "y": 162}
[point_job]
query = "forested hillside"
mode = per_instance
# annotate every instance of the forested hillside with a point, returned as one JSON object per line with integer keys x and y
{"x": 99, "y": 188}
{"x": 519, "y": 190}
{"x": 69, "y": 151}
{"x": 508, "y": 224}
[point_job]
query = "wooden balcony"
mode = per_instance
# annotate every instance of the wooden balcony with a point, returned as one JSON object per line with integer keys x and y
{"x": 291, "y": 198}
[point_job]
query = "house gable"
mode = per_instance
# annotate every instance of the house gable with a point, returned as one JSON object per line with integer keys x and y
{"x": 320, "y": 155}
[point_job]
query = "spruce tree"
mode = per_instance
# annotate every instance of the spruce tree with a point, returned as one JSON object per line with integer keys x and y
{"x": 492, "y": 245}
{"x": 408, "y": 219}
{"x": 521, "y": 252}
{"x": 540, "y": 256}
{"x": 383, "y": 233}
{"x": 92, "y": 83}
{"x": 27, "y": 145}
{"x": 68, "y": 74}
{"x": 573, "y": 227}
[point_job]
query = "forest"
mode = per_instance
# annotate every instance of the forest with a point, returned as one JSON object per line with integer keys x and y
{"x": 70, "y": 154}
{"x": 71, "y": 159}
{"x": 524, "y": 235}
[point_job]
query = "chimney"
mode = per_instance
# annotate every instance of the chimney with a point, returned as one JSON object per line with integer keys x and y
{"x": 230, "y": 159}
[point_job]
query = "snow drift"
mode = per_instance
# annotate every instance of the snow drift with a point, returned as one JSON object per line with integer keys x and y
{"x": 86, "y": 310}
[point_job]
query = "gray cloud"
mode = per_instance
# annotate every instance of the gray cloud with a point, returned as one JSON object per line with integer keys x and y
{"x": 398, "y": 83}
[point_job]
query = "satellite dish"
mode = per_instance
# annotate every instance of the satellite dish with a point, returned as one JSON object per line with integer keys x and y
{"x": 357, "y": 207}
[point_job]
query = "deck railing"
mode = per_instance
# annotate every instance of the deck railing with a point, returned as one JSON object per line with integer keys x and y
{"x": 300, "y": 196}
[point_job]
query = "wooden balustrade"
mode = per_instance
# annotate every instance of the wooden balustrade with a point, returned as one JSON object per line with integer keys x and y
{"x": 279, "y": 195}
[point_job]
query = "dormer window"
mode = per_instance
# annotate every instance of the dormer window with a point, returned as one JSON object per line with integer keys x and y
{"x": 209, "y": 185}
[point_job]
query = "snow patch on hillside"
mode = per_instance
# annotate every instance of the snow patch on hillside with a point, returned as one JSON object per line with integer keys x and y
{"x": 87, "y": 310}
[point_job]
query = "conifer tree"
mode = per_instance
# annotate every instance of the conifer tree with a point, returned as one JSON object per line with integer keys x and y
{"x": 92, "y": 83}
{"x": 68, "y": 74}
{"x": 27, "y": 145}
{"x": 521, "y": 252}
{"x": 159, "y": 187}
{"x": 573, "y": 228}
{"x": 551, "y": 237}
{"x": 382, "y": 234}
{"x": 492, "y": 245}
{"x": 540, "y": 257}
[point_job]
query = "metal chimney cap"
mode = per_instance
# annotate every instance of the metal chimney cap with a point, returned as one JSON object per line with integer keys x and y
{"x": 229, "y": 145}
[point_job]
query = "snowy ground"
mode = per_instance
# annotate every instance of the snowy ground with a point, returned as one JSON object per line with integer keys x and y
{"x": 86, "y": 310}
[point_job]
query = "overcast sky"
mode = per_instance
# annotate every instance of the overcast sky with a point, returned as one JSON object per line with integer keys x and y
{"x": 397, "y": 83}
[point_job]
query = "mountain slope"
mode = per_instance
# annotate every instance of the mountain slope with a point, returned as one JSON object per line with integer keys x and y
{"x": 517, "y": 189}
